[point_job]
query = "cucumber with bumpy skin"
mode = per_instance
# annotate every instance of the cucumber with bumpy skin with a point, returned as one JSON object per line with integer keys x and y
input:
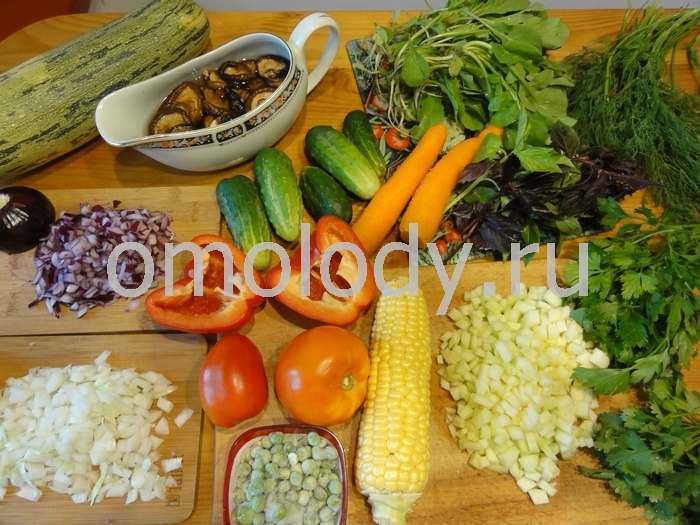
{"x": 47, "y": 104}
{"x": 323, "y": 195}
{"x": 279, "y": 189}
{"x": 357, "y": 128}
{"x": 334, "y": 152}
{"x": 244, "y": 213}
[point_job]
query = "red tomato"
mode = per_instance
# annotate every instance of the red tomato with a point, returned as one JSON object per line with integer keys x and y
{"x": 232, "y": 381}
{"x": 377, "y": 131}
{"x": 395, "y": 141}
{"x": 453, "y": 236}
{"x": 441, "y": 246}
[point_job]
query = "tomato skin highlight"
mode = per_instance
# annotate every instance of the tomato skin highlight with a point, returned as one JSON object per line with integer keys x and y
{"x": 321, "y": 375}
{"x": 232, "y": 381}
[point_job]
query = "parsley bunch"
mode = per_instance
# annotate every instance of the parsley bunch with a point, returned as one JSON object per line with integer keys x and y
{"x": 643, "y": 309}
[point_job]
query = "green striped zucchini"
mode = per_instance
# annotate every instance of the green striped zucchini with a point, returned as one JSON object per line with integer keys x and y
{"x": 47, "y": 104}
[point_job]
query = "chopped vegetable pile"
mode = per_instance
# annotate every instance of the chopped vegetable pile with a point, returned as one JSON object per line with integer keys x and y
{"x": 86, "y": 431}
{"x": 71, "y": 263}
{"x": 287, "y": 478}
{"x": 508, "y": 367}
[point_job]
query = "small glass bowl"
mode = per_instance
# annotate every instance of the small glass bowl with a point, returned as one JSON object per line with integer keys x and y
{"x": 290, "y": 428}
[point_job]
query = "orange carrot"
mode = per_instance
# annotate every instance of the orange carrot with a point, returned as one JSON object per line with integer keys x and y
{"x": 382, "y": 212}
{"x": 433, "y": 193}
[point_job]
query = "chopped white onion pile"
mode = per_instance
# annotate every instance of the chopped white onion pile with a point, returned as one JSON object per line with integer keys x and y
{"x": 84, "y": 431}
{"x": 508, "y": 366}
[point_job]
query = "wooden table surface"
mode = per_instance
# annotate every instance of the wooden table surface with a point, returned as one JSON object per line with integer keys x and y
{"x": 98, "y": 165}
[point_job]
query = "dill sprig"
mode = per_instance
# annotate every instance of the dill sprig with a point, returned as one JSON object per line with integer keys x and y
{"x": 625, "y": 100}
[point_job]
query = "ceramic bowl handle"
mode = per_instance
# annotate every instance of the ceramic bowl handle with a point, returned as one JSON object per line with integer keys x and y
{"x": 303, "y": 31}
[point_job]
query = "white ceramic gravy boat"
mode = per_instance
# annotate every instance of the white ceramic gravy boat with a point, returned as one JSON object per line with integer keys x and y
{"x": 122, "y": 117}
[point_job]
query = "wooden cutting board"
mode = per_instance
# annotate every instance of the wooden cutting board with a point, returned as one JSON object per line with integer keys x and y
{"x": 456, "y": 493}
{"x": 193, "y": 210}
{"x": 178, "y": 357}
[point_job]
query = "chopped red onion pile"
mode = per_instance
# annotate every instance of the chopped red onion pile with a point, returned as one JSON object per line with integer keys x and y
{"x": 71, "y": 263}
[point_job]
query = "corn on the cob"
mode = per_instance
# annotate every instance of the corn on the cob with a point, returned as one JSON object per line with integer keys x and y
{"x": 393, "y": 453}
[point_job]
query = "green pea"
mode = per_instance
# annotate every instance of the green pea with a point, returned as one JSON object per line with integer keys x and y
{"x": 243, "y": 469}
{"x": 296, "y": 468}
{"x": 318, "y": 453}
{"x": 309, "y": 483}
{"x": 266, "y": 442}
{"x": 277, "y": 449}
{"x": 333, "y": 502}
{"x": 245, "y": 513}
{"x": 284, "y": 473}
{"x": 270, "y": 485}
{"x": 293, "y": 458}
{"x": 309, "y": 466}
{"x": 239, "y": 495}
{"x": 259, "y": 519}
{"x": 311, "y": 518}
{"x": 254, "y": 450}
{"x": 304, "y": 453}
{"x": 258, "y": 503}
{"x": 324, "y": 478}
{"x": 276, "y": 438}
{"x": 320, "y": 494}
{"x": 335, "y": 487}
{"x": 275, "y": 511}
{"x": 271, "y": 469}
{"x": 313, "y": 438}
{"x": 283, "y": 486}
{"x": 326, "y": 514}
{"x": 255, "y": 487}
{"x": 331, "y": 453}
{"x": 292, "y": 495}
{"x": 278, "y": 458}
{"x": 304, "y": 497}
{"x": 258, "y": 463}
{"x": 331, "y": 521}
{"x": 296, "y": 479}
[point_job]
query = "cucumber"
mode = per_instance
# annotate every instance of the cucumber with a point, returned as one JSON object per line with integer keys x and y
{"x": 47, "y": 104}
{"x": 279, "y": 189}
{"x": 334, "y": 152}
{"x": 357, "y": 128}
{"x": 244, "y": 214}
{"x": 323, "y": 195}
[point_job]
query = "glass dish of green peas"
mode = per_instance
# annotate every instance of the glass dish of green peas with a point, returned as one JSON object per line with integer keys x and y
{"x": 286, "y": 475}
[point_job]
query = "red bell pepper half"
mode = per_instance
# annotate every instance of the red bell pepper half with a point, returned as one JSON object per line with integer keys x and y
{"x": 321, "y": 304}
{"x": 213, "y": 311}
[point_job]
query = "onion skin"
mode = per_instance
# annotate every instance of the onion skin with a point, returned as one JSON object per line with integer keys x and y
{"x": 26, "y": 215}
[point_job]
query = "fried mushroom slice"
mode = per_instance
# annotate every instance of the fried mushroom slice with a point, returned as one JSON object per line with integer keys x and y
{"x": 186, "y": 97}
{"x": 212, "y": 79}
{"x": 168, "y": 121}
{"x": 272, "y": 67}
{"x": 215, "y": 102}
{"x": 258, "y": 97}
{"x": 240, "y": 70}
